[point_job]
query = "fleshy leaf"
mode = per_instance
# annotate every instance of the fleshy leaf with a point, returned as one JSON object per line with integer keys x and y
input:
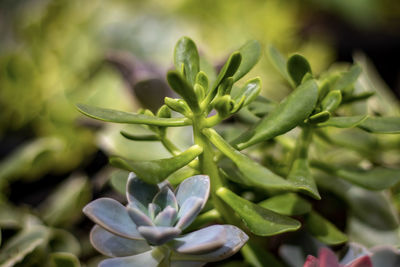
{"x": 381, "y": 125}
{"x": 111, "y": 115}
{"x": 288, "y": 114}
{"x": 158, "y": 235}
{"x": 139, "y": 217}
{"x": 260, "y": 221}
{"x": 236, "y": 238}
{"x": 348, "y": 78}
{"x": 188, "y": 211}
{"x": 250, "y": 91}
{"x": 156, "y": 171}
{"x": 301, "y": 177}
{"x": 250, "y": 52}
{"x": 324, "y": 230}
{"x": 148, "y": 258}
{"x": 166, "y": 217}
{"x": 63, "y": 259}
{"x": 186, "y": 54}
{"x": 228, "y": 70}
{"x": 256, "y": 174}
{"x": 183, "y": 88}
{"x": 112, "y": 216}
{"x": 166, "y": 198}
{"x": 343, "y": 122}
{"x": 139, "y": 193}
{"x": 279, "y": 62}
{"x": 195, "y": 186}
{"x": 201, "y": 241}
{"x": 141, "y": 137}
{"x": 287, "y": 204}
{"x": 114, "y": 246}
{"x": 297, "y": 67}
{"x": 332, "y": 101}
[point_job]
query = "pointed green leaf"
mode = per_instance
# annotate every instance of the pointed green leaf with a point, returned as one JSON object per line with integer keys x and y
{"x": 251, "y": 52}
{"x": 63, "y": 259}
{"x": 377, "y": 178}
{"x": 228, "y": 70}
{"x": 279, "y": 62}
{"x": 358, "y": 97}
{"x": 289, "y": 204}
{"x": 324, "y": 230}
{"x": 250, "y": 91}
{"x": 287, "y": 115}
{"x": 202, "y": 80}
{"x": 111, "y": 115}
{"x": 297, "y": 67}
{"x": 183, "y": 88}
{"x": 260, "y": 221}
{"x": 301, "y": 177}
{"x": 348, "y": 78}
{"x": 332, "y": 101}
{"x": 343, "y": 122}
{"x": 256, "y": 174}
{"x": 382, "y": 125}
{"x": 177, "y": 177}
{"x": 319, "y": 117}
{"x": 156, "y": 171}
{"x": 142, "y": 137}
{"x": 186, "y": 53}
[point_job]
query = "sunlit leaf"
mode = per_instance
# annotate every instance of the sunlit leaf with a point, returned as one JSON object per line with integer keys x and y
{"x": 297, "y": 67}
{"x": 186, "y": 53}
{"x": 250, "y": 52}
{"x": 323, "y": 230}
{"x": 183, "y": 88}
{"x": 287, "y": 204}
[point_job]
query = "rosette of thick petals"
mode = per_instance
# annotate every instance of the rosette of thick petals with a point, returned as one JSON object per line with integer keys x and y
{"x": 148, "y": 229}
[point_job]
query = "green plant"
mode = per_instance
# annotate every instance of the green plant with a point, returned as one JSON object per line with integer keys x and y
{"x": 317, "y": 103}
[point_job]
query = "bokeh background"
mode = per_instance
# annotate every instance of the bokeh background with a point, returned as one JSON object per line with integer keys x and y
{"x": 56, "y": 53}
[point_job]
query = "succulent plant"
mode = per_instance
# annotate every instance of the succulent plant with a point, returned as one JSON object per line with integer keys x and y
{"x": 327, "y": 258}
{"x": 148, "y": 229}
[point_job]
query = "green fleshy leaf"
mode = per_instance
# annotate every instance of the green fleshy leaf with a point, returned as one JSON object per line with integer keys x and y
{"x": 381, "y": 125}
{"x": 177, "y": 177}
{"x": 260, "y": 221}
{"x": 250, "y": 91}
{"x": 228, "y": 70}
{"x": 288, "y": 114}
{"x": 358, "y": 97}
{"x": 297, "y": 67}
{"x": 256, "y": 174}
{"x": 186, "y": 54}
{"x": 377, "y": 178}
{"x": 301, "y": 177}
{"x": 63, "y": 241}
{"x": 348, "y": 79}
{"x": 11, "y": 217}
{"x": 343, "y": 122}
{"x": 250, "y": 52}
{"x": 320, "y": 117}
{"x": 279, "y": 62}
{"x": 323, "y": 230}
{"x": 111, "y": 115}
{"x": 289, "y": 204}
{"x": 62, "y": 259}
{"x": 332, "y": 101}
{"x": 135, "y": 137}
{"x": 156, "y": 171}
{"x": 183, "y": 88}
{"x": 257, "y": 256}
{"x": 118, "y": 180}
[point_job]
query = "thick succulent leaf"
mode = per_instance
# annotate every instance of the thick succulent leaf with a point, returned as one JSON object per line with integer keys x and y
{"x": 186, "y": 54}
{"x": 250, "y": 91}
{"x": 63, "y": 259}
{"x": 301, "y": 177}
{"x": 228, "y": 70}
{"x": 139, "y": 193}
{"x": 377, "y": 178}
{"x": 288, "y": 114}
{"x": 22, "y": 244}
{"x": 65, "y": 241}
{"x": 343, "y": 122}
{"x": 180, "y": 175}
{"x": 311, "y": 261}
{"x": 256, "y": 174}
{"x": 140, "y": 137}
{"x": 332, "y": 101}
{"x": 153, "y": 210}
{"x": 235, "y": 237}
{"x": 385, "y": 256}
{"x": 259, "y": 220}
{"x": 189, "y": 211}
{"x": 201, "y": 241}
{"x": 111, "y": 115}
{"x": 166, "y": 198}
{"x": 167, "y": 217}
{"x": 319, "y": 117}
{"x": 158, "y": 235}
{"x": 156, "y": 171}
{"x": 279, "y": 62}
{"x": 381, "y": 125}
{"x": 139, "y": 217}
{"x": 195, "y": 186}
{"x": 115, "y": 246}
{"x": 348, "y": 78}
{"x": 112, "y": 216}
{"x": 149, "y": 259}
{"x": 324, "y": 230}
{"x": 287, "y": 204}
{"x": 250, "y": 52}
{"x": 257, "y": 256}
{"x": 183, "y": 88}
{"x": 297, "y": 67}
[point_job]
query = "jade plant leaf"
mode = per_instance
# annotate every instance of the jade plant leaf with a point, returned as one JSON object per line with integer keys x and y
{"x": 324, "y": 230}
{"x": 256, "y": 174}
{"x": 250, "y": 91}
{"x": 228, "y": 70}
{"x": 301, "y": 177}
{"x": 287, "y": 115}
{"x": 63, "y": 259}
{"x": 343, "y": 122}
{"x": 156, "y": 171}
{"x": 257, "y": 256}
{"x": 289, "y": 204}
{"x": 250, "y": 52}
{"x": 332, "y": 101}
{"x": 183, "y": 88}
{"x": 259, "y": 220}
{"x": 297, "y": 67}
{"x": 348, "y": 78}
{"x": 279, "y": 62}
{"x": 141, "y": 137}
{"x": 111, "y": 115}
{"x": 186, "y": 54}
{"x": 381, "y": 125}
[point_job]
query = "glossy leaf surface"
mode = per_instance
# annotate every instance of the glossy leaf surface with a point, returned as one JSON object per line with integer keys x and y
{"x": 250, "y": 52}
{"x": 297, "y": 67}
{"x": 183, "y": 88}
{"x": 186, "y": 54}
{"x": 195, "y": 186}
{"x": 287, "y": 204}
{"x": 301, "y": 177}
{"x": 250, "y": 91}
